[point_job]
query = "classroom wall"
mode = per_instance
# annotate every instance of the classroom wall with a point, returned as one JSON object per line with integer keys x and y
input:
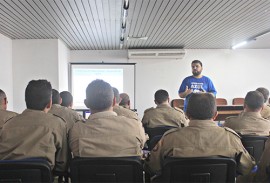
{"x": 6, "y": 78}
{"x": 234, "y": 72}
{"x": 63, "y": 61}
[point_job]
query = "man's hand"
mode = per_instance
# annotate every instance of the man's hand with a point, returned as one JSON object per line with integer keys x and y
{"x": 188, "y": 91}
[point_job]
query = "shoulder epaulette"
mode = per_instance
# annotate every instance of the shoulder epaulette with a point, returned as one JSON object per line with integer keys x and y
{"x": 149, "y": 109}
{"x": 59, "y": 117}
{"x": 170, "y": 131}
{"x": 232, "y": 131}
{"x": 178, "y": 109}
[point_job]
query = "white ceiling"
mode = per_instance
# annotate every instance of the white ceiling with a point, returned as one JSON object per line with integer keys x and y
{"x": 96, "y": 24}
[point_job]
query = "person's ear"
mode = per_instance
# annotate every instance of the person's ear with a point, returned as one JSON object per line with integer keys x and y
{"x": 86, "y": 103}
{"x": 215, "y": 116}
{"x": 60, "y": 102}
{"x": 155, "y": 102}
{"x": 114, "y": 101}
{"x": 49, "y": 105}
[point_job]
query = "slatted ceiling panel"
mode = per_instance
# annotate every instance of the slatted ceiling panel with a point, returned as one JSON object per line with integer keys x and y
{"x": 10, "y": 31}
{"x": 103, "y": 13}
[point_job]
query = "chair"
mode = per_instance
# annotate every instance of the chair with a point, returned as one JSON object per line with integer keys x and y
{"x": 221, "y": 101}
{"x": 254, "y": 145}
{"x": 154, "y": 141}
{"x": 238, "y": 101}
{"x": 113, "y": 169}
{"x": 178, "y": 103}
{"x": 26, "y": 170}
{"x": 208, "y": 169}
{"x": 152, "y": 132}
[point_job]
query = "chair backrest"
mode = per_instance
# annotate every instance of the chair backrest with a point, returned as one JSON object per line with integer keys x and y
{"x": 178, "y": 103}
{"x": 238, "y": 101}
{"x": 254, "y": 145}
{"x": 152, "y": 132}
{"x": 221, "y": 101}
{"x": 154, "y": 141}
{"x": 113, "y": 169}
{"x": 27, "y": 170}
{"x": 208, "y": 169}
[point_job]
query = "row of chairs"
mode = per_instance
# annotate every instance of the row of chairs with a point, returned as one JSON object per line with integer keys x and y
{"x": 219, "y": 101}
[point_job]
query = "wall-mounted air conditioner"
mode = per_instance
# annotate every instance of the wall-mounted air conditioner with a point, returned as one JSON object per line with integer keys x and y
{"x": 156, "y": 53}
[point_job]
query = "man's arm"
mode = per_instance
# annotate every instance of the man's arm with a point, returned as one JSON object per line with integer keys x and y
{"x": 185, "y": 93}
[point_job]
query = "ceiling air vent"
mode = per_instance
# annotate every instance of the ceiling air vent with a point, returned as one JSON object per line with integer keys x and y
{"x": 156, "y": 53}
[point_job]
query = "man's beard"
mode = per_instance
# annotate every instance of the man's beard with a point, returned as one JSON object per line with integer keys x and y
{"x": 196, "y": 73}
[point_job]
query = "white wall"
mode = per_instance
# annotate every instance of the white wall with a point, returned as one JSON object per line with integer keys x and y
{"x": 63, "y": 60}
{"x": 6, "y": 78}
{"x": 234, "y": 72}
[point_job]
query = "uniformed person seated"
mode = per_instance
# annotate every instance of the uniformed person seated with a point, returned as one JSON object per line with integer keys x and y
{"x": 125, "y": 101}
{"x": 67, "y": 99}
{"x": 163, "y": 114}
{"x": 266, "y": 107}
{"x": 104, "y": 134}
{"x": 35, "y": 133}
{"x": 4, "y": 113}
{"x": 250, "y": 121}
{"x": 69, "y": 115}
{"x": 202, "y": 138}
{"x": 121, "y": 111}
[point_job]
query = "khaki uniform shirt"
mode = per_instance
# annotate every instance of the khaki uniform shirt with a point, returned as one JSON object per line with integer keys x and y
{"x": 266, "y": 112}
{"x": 261, "y": 175}
{"x": 248, "y": 123}
{"x": 121, "y": 111}
{"x": 5, "y": 115}
{"x": 104, "y": 134}
{"x": 164, "y": 115}
{"x": 35, "y": 134}
{"x": 69, "y": 115}
{"x": 202, "y": 138}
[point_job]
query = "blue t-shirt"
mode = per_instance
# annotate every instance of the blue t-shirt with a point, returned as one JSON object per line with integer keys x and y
{"x": 196, "y": 84}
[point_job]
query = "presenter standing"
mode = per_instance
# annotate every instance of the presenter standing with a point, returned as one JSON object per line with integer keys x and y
{"x": 195, "y": 83}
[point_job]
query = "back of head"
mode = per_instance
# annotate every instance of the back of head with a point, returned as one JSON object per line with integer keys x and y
{"x": 196, "y": 62}
{"x": 254, "y": 100}
{"x": 99, "y": 95}
{"x": 264, "y": 92}
{"x": 161, "y": 96}
{"x": 38, "y": 94}
{"x": 116, "y": 95}
{"x": 124, "y": 99}
{"x": 3, "y": 99}
{"x": 67, "y": 98}
{"x": 56, "y": 99}
{"x": 201, "y": 106}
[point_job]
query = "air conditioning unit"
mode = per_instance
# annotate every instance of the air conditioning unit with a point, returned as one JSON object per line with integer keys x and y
{"x": 156, "y": 53}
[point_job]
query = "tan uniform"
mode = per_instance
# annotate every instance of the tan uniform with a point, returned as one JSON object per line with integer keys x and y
{"x": 121, "y": 111}
{"x": 5, "y": 115}
{"x": 266, "y": 112}
{"x": 248, "y": 123}
{"x": 69, "y": 115}
{"x": 202, "y": 138}
{"x": 164, "y": 115}
{"x": 261, "y": 175}
{"x": 105, "y": 134}
{"x": 35, "y": 134}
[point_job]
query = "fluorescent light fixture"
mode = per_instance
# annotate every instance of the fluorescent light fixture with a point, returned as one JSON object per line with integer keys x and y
{"x": 137, "y": 38}
{"x": 126, "y": 4}
{"x": 239, "y": 44}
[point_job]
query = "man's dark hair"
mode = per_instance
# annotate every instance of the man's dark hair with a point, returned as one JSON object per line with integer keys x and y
{"x": 116, "y": 94}
{"x": 161, "y": 96}
{"x": 196, "y": 62}
{"x": 201, "y": 106}
{"x": 38, "y": 94}
{"x": 254, "y": 100}
{"x": 99, "y": 95}
{"x": 2, "y": 95}
{"x": 67, "y": 98}
{"x": 124, "y": 99}
{"x": 264, "y": 92}
{"x": 56, "y": 99}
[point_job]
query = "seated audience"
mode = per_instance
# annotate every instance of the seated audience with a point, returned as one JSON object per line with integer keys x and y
{"x": 35, "y": 133}
{"x": 202, "y": 138}
{"x": 250, "y": 121}
{"x": 263, "y": 172}
{"x": 266, "y": 108}
{"x": 67, "y": 99}
{"x": 4, "y": 113}
{"x": 119, "y": 110}
{"x": 125, "y": 101}
{"x": 104, "y": 134}
{"x": 69, "y": 115}
{"x": 163, "y": 114}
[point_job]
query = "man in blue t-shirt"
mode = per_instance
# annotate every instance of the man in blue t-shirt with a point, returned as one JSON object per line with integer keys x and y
{"x": 195, "y": 83}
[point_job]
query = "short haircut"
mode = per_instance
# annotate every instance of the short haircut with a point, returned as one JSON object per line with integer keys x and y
{"x": 264, "y": 92}
{"x": 99, "y": 95}
{"x": 196, "y": 62}
{"x": 2, "y": 95}
{"x": 56, "y": 99}
{"x": 125, "y": 99}
{"x": 38, "y": 94}
{"x": 201, "y": 106}
{"x": 254, "y": 100}
{"x": 161, "y": 96}
{"x": 116, "y": 94}
{"x": 67, "y": 98}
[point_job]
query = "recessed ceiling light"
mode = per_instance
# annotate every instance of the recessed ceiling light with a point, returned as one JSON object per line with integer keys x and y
{"x": 137, "y": 38}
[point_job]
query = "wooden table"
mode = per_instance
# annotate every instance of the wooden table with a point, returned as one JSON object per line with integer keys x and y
{"x": 225, "y": 111}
